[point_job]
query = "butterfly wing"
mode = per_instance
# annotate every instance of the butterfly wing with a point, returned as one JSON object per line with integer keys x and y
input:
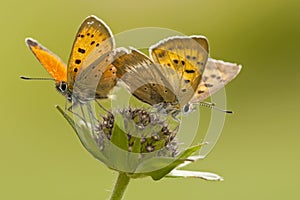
{"x": 52, "y": 63}
{"x": 187, "y": 56}
{"x": 99, "y": 78}
{"x": 93, "y": 40}
{"x": 216, "y": 75}
{"x": 145, "y": 79}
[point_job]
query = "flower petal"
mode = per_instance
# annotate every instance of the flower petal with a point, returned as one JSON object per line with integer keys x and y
{"x": 190, "y": 160}
{"x": 194, "y": 174}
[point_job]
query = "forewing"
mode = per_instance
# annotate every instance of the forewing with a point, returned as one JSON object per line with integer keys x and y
{"x": 93, "y": 40}
{"x": 52, "y": 63}
{"x": 216, "y": 75}
{"x": 145, "y": 79}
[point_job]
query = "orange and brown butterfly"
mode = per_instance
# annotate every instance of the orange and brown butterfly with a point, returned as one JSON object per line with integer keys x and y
{"x": 178, "y": 72}
{"x": 89, "y": 74}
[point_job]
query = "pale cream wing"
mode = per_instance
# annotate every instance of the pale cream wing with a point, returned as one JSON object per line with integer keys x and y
{"x": 216, "y": 75}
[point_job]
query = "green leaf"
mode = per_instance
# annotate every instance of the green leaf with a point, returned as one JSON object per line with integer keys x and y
{"x": 119, "y": 137}
{"x": 189, "y": 151}
{"x": 116, "y": 149}
{"x": 84, "y": 136}
{"x": 164, "y": 165}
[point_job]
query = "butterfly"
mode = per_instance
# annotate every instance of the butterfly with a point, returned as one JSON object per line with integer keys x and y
{"x": 178, "y": 72}
{"x": 89, "y": 74}
{"x": 170, "y": 75}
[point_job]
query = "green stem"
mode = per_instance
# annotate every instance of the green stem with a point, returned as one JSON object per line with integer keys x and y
{"x": 120, "y": 186}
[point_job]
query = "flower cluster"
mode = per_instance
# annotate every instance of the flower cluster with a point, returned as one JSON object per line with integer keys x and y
{"x": 139, "y": 143}
{"x": 140, "y": 126}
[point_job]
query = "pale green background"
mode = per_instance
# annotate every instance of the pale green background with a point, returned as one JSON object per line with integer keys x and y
{"x": 258, "y": 152}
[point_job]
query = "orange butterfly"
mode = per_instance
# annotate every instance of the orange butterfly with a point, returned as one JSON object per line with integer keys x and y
{"x": 89, "y": 66}
{"x": 177, "y": 73}
{"x": 170, "y": 75}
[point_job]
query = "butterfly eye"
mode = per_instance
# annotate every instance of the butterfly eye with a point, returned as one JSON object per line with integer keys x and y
{"x": 186, "y": 108}
{"x": 62, "y": 86}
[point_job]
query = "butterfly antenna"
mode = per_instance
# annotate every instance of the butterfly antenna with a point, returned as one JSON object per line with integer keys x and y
{"x": 29, "y": 78}
{"x": 213, "y": 106}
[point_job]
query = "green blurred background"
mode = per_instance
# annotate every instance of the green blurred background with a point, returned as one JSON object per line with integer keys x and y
{"x": 258, "y": 152}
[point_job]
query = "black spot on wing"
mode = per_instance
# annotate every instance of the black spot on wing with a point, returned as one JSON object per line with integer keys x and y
{"x": 189, "y": 71}
{"x": 80, "y": 50}
{"x": 208, "y": 85}
{"x": 200, "y": 63}
{"x": 161, "y": 54}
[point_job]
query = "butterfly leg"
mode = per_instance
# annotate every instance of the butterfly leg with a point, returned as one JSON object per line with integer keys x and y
{"x": 70, "y": 109}
{"x": 92, "y": 117}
